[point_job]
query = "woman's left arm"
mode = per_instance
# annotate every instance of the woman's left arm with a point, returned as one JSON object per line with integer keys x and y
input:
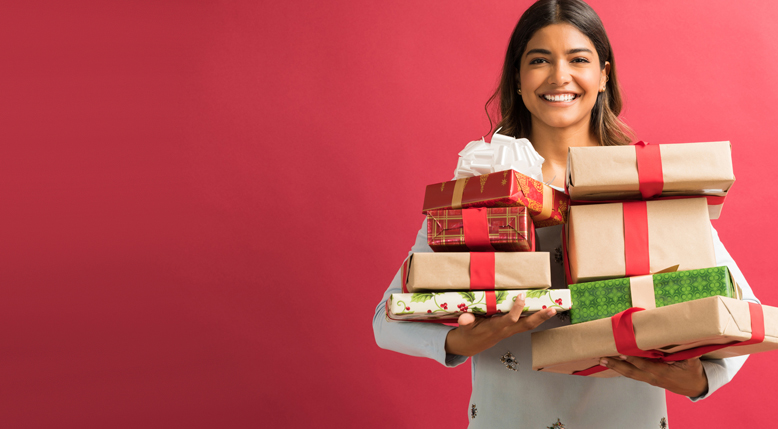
{"x": 694, "y": 378}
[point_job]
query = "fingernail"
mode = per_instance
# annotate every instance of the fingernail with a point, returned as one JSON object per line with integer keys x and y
{"x": 622, "y": 357}
{"x": 522, "y": 295}
{"x": 604, "y": 362}
{"x": 551, "y": 312}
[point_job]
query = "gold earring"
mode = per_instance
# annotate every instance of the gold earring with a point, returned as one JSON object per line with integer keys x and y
{"x": 518, "y": 91}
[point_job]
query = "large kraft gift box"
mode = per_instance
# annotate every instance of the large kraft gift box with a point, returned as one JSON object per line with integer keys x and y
{"x": 447, "y": 306}
{"x": 508, "y": 188}
{"x": 676, "y": 332}
{"x": 476, "y": 271}
{"x": 602, "y": 299}
{"x": 501, "y": 229}
{"x": 615, "y": 173}
{"x": 637, "y": 238}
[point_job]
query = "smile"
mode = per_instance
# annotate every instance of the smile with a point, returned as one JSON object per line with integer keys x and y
{"x": 560, "y": 97}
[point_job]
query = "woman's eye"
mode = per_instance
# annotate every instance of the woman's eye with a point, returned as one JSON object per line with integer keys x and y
{"x": 537, "y": 61}
{"x": 580, "y": 60}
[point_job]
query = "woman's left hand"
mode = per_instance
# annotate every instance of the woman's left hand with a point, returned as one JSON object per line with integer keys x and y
{"x": 685, "y": 377}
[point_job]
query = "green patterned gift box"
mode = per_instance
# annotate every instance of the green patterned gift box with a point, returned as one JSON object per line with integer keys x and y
{"x": 604, "y": 298}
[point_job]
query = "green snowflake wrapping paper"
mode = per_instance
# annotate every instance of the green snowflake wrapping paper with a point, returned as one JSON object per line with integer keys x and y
{"x": 605, "y": 298}
{"x": 447, "y": 306}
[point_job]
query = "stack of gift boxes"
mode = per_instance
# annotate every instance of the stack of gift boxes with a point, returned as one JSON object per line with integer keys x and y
{"x": 482, "y": 232}
{"x": 640, "y": 262}
{"x": 638, "y": 253}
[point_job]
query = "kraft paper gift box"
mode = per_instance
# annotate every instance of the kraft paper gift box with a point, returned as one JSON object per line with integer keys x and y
{"x": 676, "y": 332}
{"x": 507, "y": 188}
{"x": 447, "y": 306}
{"x": 476, "y": 271}
{"x": 604, "y": 298}
{"x": 637, "y": 238}
{"x": 643, "y": 171}
{"x": 502, "y": 229}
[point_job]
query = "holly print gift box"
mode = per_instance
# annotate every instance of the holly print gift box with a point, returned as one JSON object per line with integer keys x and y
{"x": 447, "y": 306}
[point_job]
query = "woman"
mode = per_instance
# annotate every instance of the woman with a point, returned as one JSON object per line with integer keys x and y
{"x": 558, "y": 89}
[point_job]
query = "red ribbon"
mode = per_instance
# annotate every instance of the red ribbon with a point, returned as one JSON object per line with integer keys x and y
{"x": 491, "y": 302}
{"x": 649, "y": 160}
{"x": 475, "y": 224}
{"x": 626, "y": 343}
{"x": 482, "y": 271}
{"x": 636, "y": 256}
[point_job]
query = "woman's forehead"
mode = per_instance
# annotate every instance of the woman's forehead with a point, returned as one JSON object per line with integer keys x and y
{"x": 559, "y": 38}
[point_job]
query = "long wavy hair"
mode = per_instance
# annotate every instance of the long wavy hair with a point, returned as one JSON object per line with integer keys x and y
{"x": 513, "y": 116}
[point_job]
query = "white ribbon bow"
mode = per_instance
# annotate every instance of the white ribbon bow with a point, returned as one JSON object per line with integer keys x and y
{"x": 503, "y": 153}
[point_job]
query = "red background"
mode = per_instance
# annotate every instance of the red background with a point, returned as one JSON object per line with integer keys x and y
{"x": 202, "y": 202}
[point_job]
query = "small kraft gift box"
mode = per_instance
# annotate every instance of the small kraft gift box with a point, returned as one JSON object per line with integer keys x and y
{"x": 476, "y": 271}
{"x": 651, "y": 171}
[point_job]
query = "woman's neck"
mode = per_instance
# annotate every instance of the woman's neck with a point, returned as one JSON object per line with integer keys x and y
{"x": 552, "y": 143}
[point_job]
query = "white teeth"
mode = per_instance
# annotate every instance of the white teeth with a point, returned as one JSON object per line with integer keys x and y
{"x": 563, "y": 97}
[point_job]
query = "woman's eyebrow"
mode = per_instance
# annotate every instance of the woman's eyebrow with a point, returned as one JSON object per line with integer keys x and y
{"x": 547, "y": 52}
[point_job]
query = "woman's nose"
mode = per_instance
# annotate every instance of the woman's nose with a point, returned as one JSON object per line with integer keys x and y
{"x": 560, "y": 74}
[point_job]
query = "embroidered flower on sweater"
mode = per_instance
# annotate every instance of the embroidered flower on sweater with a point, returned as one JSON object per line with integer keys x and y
{"x": 557, "y": 425}
{"x": 473, "y": 411}
{"x": 510, "y": 361}
{"x": 663, "y": 423}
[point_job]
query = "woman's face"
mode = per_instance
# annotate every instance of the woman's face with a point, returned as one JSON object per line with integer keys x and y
{"x": 560, "y": 77}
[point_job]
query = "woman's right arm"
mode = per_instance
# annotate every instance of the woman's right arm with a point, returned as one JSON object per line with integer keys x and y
{"x": 447, "y": 345}
{"x": 413, "y": 338}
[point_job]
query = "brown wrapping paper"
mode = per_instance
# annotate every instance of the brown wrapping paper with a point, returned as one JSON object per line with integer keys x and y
{"x": 610, "y": 172}
{"x": 451, "y": 271}
{"x": 714, "y": 320}
{"x": 678, "y": 234}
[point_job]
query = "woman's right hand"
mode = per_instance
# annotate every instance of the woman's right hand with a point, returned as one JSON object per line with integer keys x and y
{"x": 476, "y": 334}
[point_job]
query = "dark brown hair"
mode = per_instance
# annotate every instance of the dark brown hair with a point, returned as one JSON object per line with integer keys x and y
{"x": 514, "y": 118}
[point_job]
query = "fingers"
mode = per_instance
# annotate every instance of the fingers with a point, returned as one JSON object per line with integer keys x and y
{"x": 533, "y": 321}
{"x": 466, "y": 320}
{"x": 646, "y": 365}
{"x": 518, "y": 307}
{"x": 629, "y": 370}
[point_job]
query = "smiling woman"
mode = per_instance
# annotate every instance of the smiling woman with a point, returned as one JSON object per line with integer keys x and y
{"x": 559, "y": 90}
{"x": 561, "y": 45}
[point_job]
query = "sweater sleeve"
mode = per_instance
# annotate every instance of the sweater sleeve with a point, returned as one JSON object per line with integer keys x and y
{"x": 721, "y": 371}
{"x": 413, "y": 338}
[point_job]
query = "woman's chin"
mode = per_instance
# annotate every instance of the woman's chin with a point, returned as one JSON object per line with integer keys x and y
{"x": 561, "y": 123}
